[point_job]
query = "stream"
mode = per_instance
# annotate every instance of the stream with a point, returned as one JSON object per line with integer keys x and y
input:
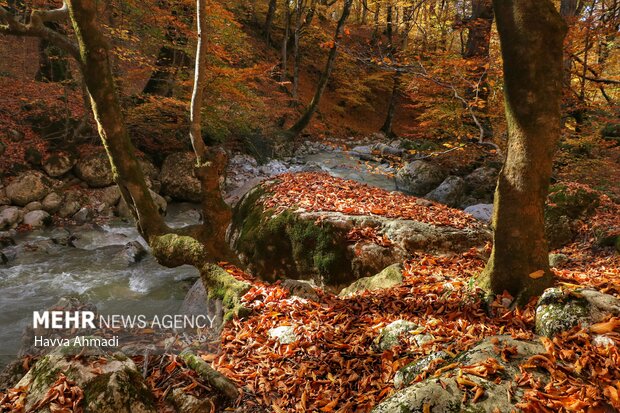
{"x": 41, "y": 271}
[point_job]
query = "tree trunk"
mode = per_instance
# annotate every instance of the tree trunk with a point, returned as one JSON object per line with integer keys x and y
{"x": 287, "y": 31}
{"x": 389, "y": 119}
{"x": 531, "y": 34}
{"x": 297, "y": 34}
{"x": 271, "y": 12}
{"x": 169, "y": 62}
{"x": 53, "y": 61}
{"x": 168, "y": 248}
{"x": 307, "y": 116}
{"x": 200, "y": 78}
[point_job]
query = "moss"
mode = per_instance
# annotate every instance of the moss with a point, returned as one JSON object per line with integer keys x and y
{"x": 559, "y": 311}
{"x": 135, "y": 387}
{"x": 223, "y": 286}
{"x": 174, "y": 250}
{"x": 572, "y": 202}
{"x": 96, "y": 387}
{"x": 389, "y": 277}
{"x": 45, "y": 373}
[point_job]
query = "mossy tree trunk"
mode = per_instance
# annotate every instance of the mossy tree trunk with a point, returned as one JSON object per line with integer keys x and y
{"x": 531, "y": 34}
{"x": 305, "y": 118}
{"x": 190, "y": 246}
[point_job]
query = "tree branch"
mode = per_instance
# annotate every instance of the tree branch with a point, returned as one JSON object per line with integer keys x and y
{"x": 37, "y": 28}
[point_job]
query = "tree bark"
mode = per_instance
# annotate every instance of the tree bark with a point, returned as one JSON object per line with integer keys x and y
{"x": 285, "y": 39}
{"x": 389, "y": 118}
{"x": 304, "y": 120}
{"x": 271, "y": 12}
{"x": 200, "y": 78}
{"x": 531, "y": 34}
{"x": 296, "y": 57}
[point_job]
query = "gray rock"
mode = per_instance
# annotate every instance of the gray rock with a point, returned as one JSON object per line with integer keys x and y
{"x": 444, "y": 395}
{"x": 162, "y": 205}
{"x": 37, "y": 219}
{"x": 559, "y": 231}
{"x": 84, "y": 215}
{"x": 59, "y": 164}
{"x": 186, "y": 403}
{"x": 133, "y": 252}
{"x": 560, "y": 310}
{"x": 363, "y": 152}
{"x": 116, "y": 386}
{"x": 450, "y": 192}
{"x": 10, "y": 217}
{"x": 109, "y": 195}
{"x": 27, "y": 187}
{"x": 405, "y": 375}
{"x": 95, "y": 170}
{"x": 557, "y": 260}
{"x": 302, "y": 289}
{"x": 69, "y": 208}
{"x": 388, "y": 278}
{"x": 284, "y": 334}
{"x": 52, "y": 202}
{"x": 33, "y": 206}
{"x": 178, "y": 178}
{"x": 391, "y": 150}
{"x": 482, "y": 212}
{"x": 390, "y": 335}
{"x": 481, "y": 183}
{"x": 151, "y": 174}
{"x": 419, "y": 177}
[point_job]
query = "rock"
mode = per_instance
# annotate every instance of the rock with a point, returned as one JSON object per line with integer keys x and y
{"x": 178, "y": 179}
{"x": 133, "y": 252}
{"x": 391, "y": 150}
{"x": 284, "y": 334}
{"x": 11, "y": 374}
{"x": 405, "y": 375}
{"x": 116, "y": 386}
{"x": 2, "y": 148}
{"x": 125, "y": 212}
{"x": 95, "y": 170}
{"x": 58, "y": 164}
{"x": 10, "y": 217}
{"x": 69, "y": 208}
{"x": 33, "y": 206}
{"x": 52, "y": 202}
{"x": 84, "y": 215}
{"x": 315, "y": 245}
{"x": 482, "y": 212}
{"x": 481, "y": 184}
{"x": 37, "y": 219}
{"x": 151, "y": 174}
{"x": 4, "y": 200}
{"x": 557, "y": 260}
{"x": 559, "y": 231}
{"x": 27, "y": 187}
{"x": 186, "y": 403}
{"x": 61, "y": 236}
{"x": 449, "y": 192}
{"x": 363, "y": 152}
{"x": 110, "y": 195}
{"x": 388, "y": 278}
{"x": 389, "y": 337}
{"x": 560, "y": 310}
{"x": 443, "y": 393}
{"x": 195, "y": 301}
{"x": 419, "y": 177}
{"x": 301, "y": 289}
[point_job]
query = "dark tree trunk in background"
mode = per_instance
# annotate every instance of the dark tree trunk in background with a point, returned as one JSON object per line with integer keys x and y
{"x": 304, "y": 120}
{"x": 285, "y": 39}
{"x": 271, "y": 12}
{"x": 170, "y": 61}
{"x": 389, "y": 119}
{"x": 296, "y": 57}
{"x": 531, "y": 34}
{"x": 53, "y": 61}
{"x": 389, "y": 31}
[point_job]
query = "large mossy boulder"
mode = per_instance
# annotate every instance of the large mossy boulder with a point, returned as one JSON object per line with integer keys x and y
{"x": 560, "y": 309}
{"x": 444, "y": 395}
{"x": 115, "y": 386}
{"x": 291, "y": 242}
{"x": 388, "y": 278}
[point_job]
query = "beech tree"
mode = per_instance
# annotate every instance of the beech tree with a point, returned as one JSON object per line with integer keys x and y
{"x": 531, "y": 35}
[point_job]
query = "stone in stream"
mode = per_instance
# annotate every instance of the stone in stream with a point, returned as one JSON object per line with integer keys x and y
{"x": 10, "y": 217}
{"x": 450, "y": 192}
{"x": 58, "y": 164}
{"x": 419, "y": 177}
{"x": 178, "y": 178}
{"x": 95, "y": 170}
{"x": 37, "y": 219}
{"x": 133, "y": 252}
{"x": 27, "y": 187}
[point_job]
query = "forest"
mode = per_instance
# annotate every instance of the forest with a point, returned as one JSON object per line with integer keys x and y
{"x": 251, "y": 206}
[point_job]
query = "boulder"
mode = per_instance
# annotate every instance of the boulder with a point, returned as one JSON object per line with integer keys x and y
{"x": 4, "y": 200}
{"x": 419, "y": 177}
{"x": 284, "y": 334}
{"x": 133, "y": 252}
{"x": 95, "y": 170}
{"x": 389, "y": 337}
{"x": 27, "y": 187}
{"x": 450, "y": 192}
{"x": 391, "y": 276}
{"x": 84, "y": 215}
{"x": 557, "y": 260}
{"x": 162, "y": 205}
{"x": 407, "y": 374}
{"x": 37, "y": 219}
{"x": 442, "y": 393}
{"x": 297, "y": 244}
{"x": 365, "y": 153}
{"x": 481, "y": 184}
{"x": 33, "y": 206}
{"x": 302, "y": 289}
{"x": 178, "y": 178}
{"x": 151, "y": 174}
{"x": 10, "y": 217}
{"x": 561, "y": 309}
{"x": 109, "y": 195}
{"x": 187, "y": 403}
{"x": 58, "y": 164}
{"x": 115, "y": 386}
{"x": 52, "y": 202}
{"x": 482, "y": 212}
{"x": 69, "y": 208}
